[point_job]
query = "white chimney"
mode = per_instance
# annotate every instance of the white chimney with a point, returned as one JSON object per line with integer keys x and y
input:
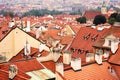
{"x": 76, "y": 64}
{"x": 28, "y": 26}
{"x": 42, "y": 47}
{"x": 37, "y": 33}
{"x": 56, "y": 54}
{"x": 98, "y": 58}
{"x": 60, "y": 68}
{"x": 11, "y": 24}
{"x": 27, "y": 48}
{"x": 114, "y": 46}
{"x": 106, "y": 54}
{"x": 66, "y": 57}
{"x": 13, "y": 70}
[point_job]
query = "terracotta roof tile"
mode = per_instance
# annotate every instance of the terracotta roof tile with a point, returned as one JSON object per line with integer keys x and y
{"x": 50, "y": 65}
{"x": 80, "y": 43}
{"x": 19, "y": 56}
{"x": 116, "y": 57}
{"x": 44, "y": 53}
{"x": 117, "y": 69}
{"x": 91, "y": 14}
{"x": 90, "y": 72}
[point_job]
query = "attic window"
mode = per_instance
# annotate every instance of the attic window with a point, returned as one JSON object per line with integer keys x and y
{"x": 72, "y": 50}
{"x": 95, "y": 37}
{"x": 86, "y": 37}
{"x": 80, "y": 51}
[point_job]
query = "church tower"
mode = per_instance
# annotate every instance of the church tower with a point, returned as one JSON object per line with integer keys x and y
{"x": 103, "y": 8}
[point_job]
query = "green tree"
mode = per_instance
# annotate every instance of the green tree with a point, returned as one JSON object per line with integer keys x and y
{"x": 111, "y": 21}
{"x": 99, "y": 19}
{"x": 118, "y": 18}
{"x": 41, "y": 12}
{"x": 81, "y": 20}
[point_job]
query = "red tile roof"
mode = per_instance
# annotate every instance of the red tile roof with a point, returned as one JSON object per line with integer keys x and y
{"x": 4, "y": 30}
{"x": 19, "y": 56}
{"x": 91, "y": 14}
{"x": 116, "y": 57}
{"x": 111, "y": 31}
{"x": 50, "y": 65}
{"x": 44, "y": 53}
{"x": 91, "y": 72}
{"x": 80, "y": 43}
{"x": 117, "y": 69}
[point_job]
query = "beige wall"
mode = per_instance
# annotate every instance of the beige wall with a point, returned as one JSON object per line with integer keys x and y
{"x": 15, "y": 41}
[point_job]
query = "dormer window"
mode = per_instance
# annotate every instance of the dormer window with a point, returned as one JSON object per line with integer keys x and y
{"x": 72, "y": 50}
{"x": 94, "y": 38}
{"x": 86, "y": 37}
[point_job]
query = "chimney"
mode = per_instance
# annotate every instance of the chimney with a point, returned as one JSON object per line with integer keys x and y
{"x": 11, "y": 24}
{"x": 76, "y": 64}
{"x": 37, "y": 33}
{"x": 60, "y": 68}
{"x": 28, "y": 26}
{"x": 98, "y": 58}
{"x": 114, "y": 45}
{"x": 27, "y": 48}
{"x": 56, "y": 54}
{"x": 106, "y": 54}
{"x": 42, "y": 47}
{"x": 12, "y": 71}
{"x": 66, "y": 57}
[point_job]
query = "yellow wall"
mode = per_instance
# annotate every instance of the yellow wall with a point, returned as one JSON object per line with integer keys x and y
{"x": 14, "y": 42}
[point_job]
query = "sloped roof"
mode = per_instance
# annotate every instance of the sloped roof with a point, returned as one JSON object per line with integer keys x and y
{"x": 23, "y": 66}
{"x": 117, "y": 69}
{"x": 19, "y": 56}
{"x": 111, "y": 31}
{"x": 91, "y": 14}
{"x": 4, "y": 30}
{"x": 80, "y": 43}
{"x": 91, "y": 72}
{"x": 116, "y": 57}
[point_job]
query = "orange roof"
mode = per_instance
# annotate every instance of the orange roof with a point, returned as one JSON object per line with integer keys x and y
{"x": 117, "y": 69}
{"x": 80, "y": 43}
{"x": 23, "y": 66}
{"x": 116, "y": 57}
{"x": 19, "y": 56}
{"x": 4, "y": 30}
{"x": 66, "y": 39}
{"x": 91, "y": 14}
{"x": 50, "y": 65}
{"x": 91, "y": 72}
{"x": 44, "y": 53}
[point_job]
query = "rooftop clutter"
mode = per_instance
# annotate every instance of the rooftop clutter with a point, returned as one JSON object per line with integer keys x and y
{"x": 58, "y": 44}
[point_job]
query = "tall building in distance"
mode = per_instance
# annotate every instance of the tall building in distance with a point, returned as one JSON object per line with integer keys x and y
{"x": 103, "y": 8}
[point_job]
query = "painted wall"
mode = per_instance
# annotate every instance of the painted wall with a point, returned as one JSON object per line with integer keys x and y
{"x": 14, "y": 42}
